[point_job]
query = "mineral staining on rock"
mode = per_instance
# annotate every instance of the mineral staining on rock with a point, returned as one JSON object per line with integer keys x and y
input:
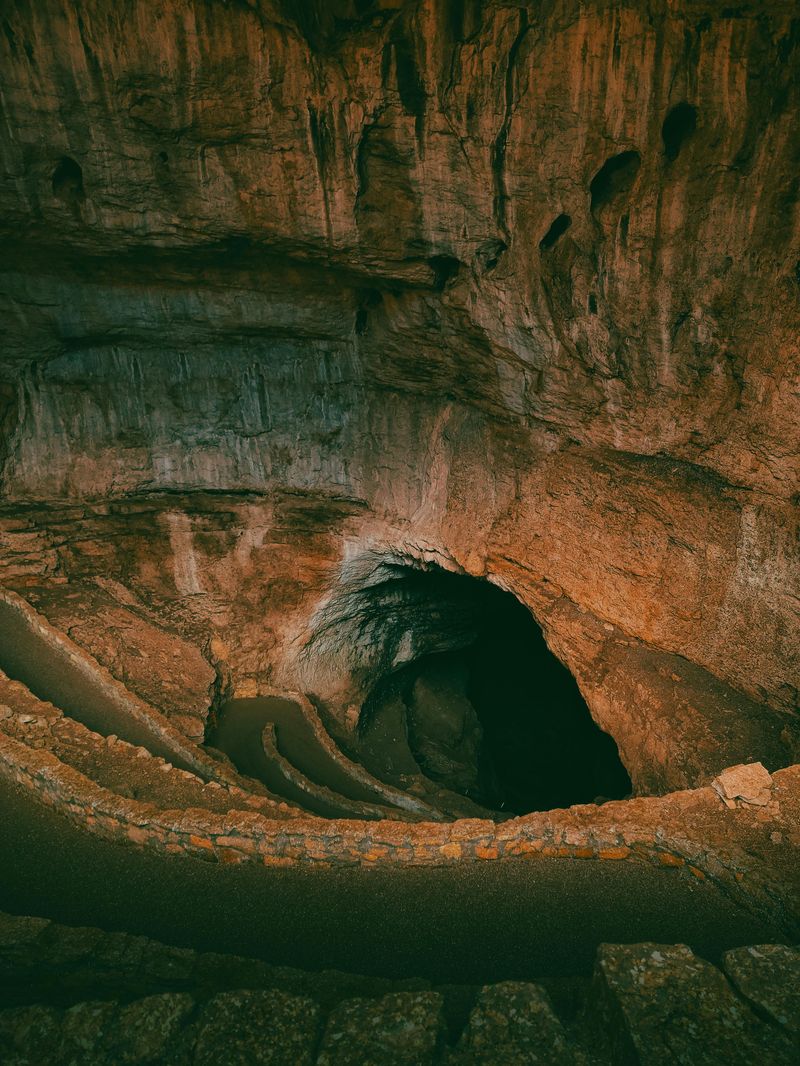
{"x": 310, "y": 264}
{"x": 312, "y": 303}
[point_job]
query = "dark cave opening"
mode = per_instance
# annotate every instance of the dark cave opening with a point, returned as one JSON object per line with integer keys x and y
{"x": 679, "y": 125}
{"x": 614, "y": 180}
{"x": 67, "y": 182}
{"x": 490, "y": 712}
{"x": 557, "y": 229}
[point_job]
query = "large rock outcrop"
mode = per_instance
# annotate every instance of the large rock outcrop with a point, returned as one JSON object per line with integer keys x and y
{"x": 293, "y": 290}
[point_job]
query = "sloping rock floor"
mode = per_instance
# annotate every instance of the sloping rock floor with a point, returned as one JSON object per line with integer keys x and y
{"x": 85, "y": 997}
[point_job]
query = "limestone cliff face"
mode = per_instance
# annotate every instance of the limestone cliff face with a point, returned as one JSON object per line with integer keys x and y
{"x": 514, "y": 287}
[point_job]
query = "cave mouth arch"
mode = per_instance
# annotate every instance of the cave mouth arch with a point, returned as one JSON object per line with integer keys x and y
{"x": 488, "y": 710}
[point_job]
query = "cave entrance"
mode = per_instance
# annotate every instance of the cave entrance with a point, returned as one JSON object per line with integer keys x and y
{"x": 489, "y": 711}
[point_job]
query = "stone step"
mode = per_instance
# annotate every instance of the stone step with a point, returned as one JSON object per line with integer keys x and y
{"x": 42, "y": 961}
{"x": 401, "y": 1029}
{"x": 513, "y": 1022}
{"x": 768, "y": 976}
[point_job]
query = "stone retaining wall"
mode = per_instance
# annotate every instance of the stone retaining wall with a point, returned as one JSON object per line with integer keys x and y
{"x": 165, "y": 737}
{"x": 119, "y": 998}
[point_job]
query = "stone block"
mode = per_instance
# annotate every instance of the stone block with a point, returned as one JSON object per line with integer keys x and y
{"x": 513, "y": 1023}
{"x": 656, "y": 1004}
{"x": 255, "y": 1028}
{"x": 750, "y": 783}
{"x": 94, "y": 1033}
{"x": 30, "y": 1036}
{"x": 401, "y": 1029}
{"x": 768, "y": 975}
{"x": 144, "y": 1030}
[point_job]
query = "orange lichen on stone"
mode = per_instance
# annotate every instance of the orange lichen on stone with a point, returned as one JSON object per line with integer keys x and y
{"x": 277, "y": 860}
{"x": 200, "y": 842}
{"x": 376, "y": 853}
{"x": 614, "y": 853}
{"x": 228, "y": 856}
{"x": 233, "y": 842}
{"x": 666, "y": 858}
{"x": 486, "y": 851}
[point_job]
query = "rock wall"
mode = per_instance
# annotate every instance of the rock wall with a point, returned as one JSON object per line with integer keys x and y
{"x": 512, "y": 288}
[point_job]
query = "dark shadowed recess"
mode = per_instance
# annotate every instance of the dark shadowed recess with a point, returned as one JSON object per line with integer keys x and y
{"x": 499, "y": 718}
{"x": 323, "y": 22}
{"x": 557, "y": 229}
{"x": 679, "y": 125}
{"x": 68, "y": 181}
{"x": 614, "y": 179}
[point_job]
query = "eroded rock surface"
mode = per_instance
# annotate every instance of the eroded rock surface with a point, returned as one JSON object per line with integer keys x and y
{"x": 402, "y": 1029}
{"x": 769, "y": 976}
{"x": 513, "y": 1023}
{"x": 303, "y": 299}
{"x": 509, "y": 289}
{"x": 660, "y": 1003}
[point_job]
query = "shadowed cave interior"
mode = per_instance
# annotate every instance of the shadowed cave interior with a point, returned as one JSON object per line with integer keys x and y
{"x": 488, "y": 710}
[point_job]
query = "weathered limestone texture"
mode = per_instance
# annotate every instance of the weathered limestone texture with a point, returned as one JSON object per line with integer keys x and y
{"x": 402, "y": 1029}
{"x": 510, "y": 287}
{"x": 769, "y": 976}
{"x": 665, "y": 1005}
{"x": 303, "y": 300}
{"x": 513, "y": 1023}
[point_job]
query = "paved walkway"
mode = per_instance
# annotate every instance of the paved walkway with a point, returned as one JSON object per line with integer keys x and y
{"x": 469, "y": 923}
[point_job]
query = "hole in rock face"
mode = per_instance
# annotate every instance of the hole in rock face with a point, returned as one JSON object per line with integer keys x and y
{"x": 559, "y": 227}
{"x": 614, "y": 179}
{"x": 489, "y": 254}
{"x": 68, "y": 182}
{"x": 679, "y": 125}
{"x": 370, "y": 299}
{"x": 445, "y": 268}
{"x": 489, "y": 711}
